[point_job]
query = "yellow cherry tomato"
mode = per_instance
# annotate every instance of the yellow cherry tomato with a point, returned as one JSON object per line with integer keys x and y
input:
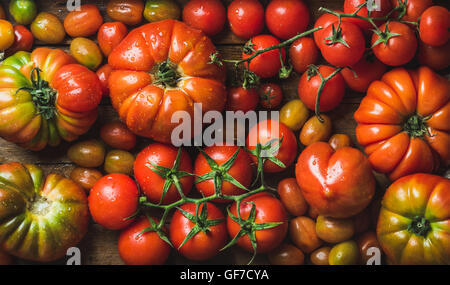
{"x": 338, "y": 141}
{"x": 6, "y": 35}
{"x": 86, "y": 52}
{"x": 315, "y": 131}
{"x": 294, "y": 114}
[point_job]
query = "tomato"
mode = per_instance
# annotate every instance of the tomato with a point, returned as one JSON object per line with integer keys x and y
{"x": 47, "y": 28}
{"x": 367, "y": 242}
{"x": 85, "y": 177}
{"x": 208, "y": 16}
{"x": 320, "y": 256}
{"x": 84, "y": 22}
{"x": 40, "y": 217}
{"x": 90, "y": 153}
{"x": 364, "y": 72}
{"x": 266, "y": 132}
{"x": 302, "y": 53}
{"x": 436, "y": 58}
{"x": 339, "y": 184}
{"x": 183, "y": 76}
{"x": 117, "y": 135}
{"x": 240, "y": 170}
{"x": 268, "y": 209}
{"x": 403, "y": 122}
{"x": 5, "y": 259}
{"x": 103, "y": 73}
{"x": 148, "y": 170}
{"x": 270, "y": 95}
{"x": 110, "y": 35}
{"x": 413, "y": 9}
{"x": 292, "y": 198}
{"x": 336, "y": 52}
{"x": 23, "y": 40}
{"x": 333, "y": 230}
{"x": 338, "y": 141}
{"x": 86, "y": 52}
{"x": 398, "y": 49}
{"x": 268, "y": 63}
{"x": 138, "y": 248}
{"x": 302, "y": 231}
{"x": 6, "y": 35}
{"x": 23, "y": 11}
{"x": 32, "y": 121}
{"x": 119, "y": 161}
{"x": 434, "y": 26}
{"x": 315, "y": 131}
{"x": 294, "y": 114}
{"x": 206, "y": 223}
{"x": 113, "y": 200}
{"x": 246, "y": 18}
{"x": 332, "y": 93}
{"x": 324, "y": 21}
{"x": 158, "y": 10}
{"x": 413, "y": 223}
{"x": 344, "y": 253}
{"x": 286, "y": 254}
{"x": 241, "y": 99}
{"x": 350, "y": 6}
{"x": 363, "y": 221}
{"x": 287, "y": 18}
{"x": 129, "y": 12}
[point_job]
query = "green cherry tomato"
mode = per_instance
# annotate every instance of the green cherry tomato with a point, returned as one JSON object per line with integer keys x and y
{"x": 86, "y": 52}
{"x": 23, "y": 11}
{"x": 90, "y": 153}
{"x": 119, "y": 161}
{"x": 158, "y": 10}
{"x": 344, "y": 253}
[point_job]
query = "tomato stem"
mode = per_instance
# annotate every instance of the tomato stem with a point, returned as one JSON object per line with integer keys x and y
{"x": 416, "y": 126}
{"x": 419, "y": 226}
{"x": 167, "y": 74}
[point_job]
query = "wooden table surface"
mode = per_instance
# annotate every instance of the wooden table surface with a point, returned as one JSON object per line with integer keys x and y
{"x": 100, "y": 245}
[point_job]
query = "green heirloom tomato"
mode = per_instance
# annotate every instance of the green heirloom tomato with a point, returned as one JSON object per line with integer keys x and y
{"x": 158, "y": 10}
{"x": 23, "y": 11}
{"x": 344, "y": 253}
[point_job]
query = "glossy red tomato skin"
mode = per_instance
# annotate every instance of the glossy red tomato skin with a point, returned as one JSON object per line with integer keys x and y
{"x": 202, "y": 246}
{"x": 367, "y": 70}
{"x": 303, "y": 52}
{"x": 246, "y": 18}
{"x": 150, "y": 182}
{"x": 414, "y": 8}
{"x": 332, "y": 93}
{"x": 324, "y": 21}
{"x": 434, "y": 26}
{"x": 241, "y": 99}
{"x": 112, "y": 200}
{"x": 270, "y": 95}
{"x": 103, "y": 74}
{"x": 241, "y": 170}
{"x": 83, "y": 22}
{"x": 350, "y": 6}
{"x": 262, "y": 133}
{"x": 23, "y": 40}
{"x": 145, "y": 249}
{"x": 268, "y": 209}
{"x": 267, "y": 64}
{"x": 110, "y": 35}
{"x": 287, "y": 18}
{"x": 206, "y": 15}
{"x": 437, "y": 58}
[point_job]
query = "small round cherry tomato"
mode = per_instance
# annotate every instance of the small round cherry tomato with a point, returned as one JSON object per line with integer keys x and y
{"x": 315, "y": 131}
{"x": 85, "y": 177}
{"x": 413, "y": 9}
{"x": 382, "y": 9}
{"x": 117, "y": 135}
{"x": 86, "y": 52}
{"x": 129, "y": 12}
{"x": 23, "y": 40}
{"x": 138, "y": 248}
{"x": 338, "y": 141}
{"x": 303, "y": 52}
{"x": 363, "y": 73}
{"x": 324, "y": 21}
{"x": 303, "y": 234}
{"x": 6, "y": 35}
{"x": 158, "y": 10}
{"x": 90, "y": 153}
{"x": 294, "y": 114}
{"x": 292, "y": 198}
{"x": 246, "y": 18}
{"x": 83, "y": 22}
{"x": 268, "y": 63}
{"x": 286, "y": 254}
{"x": 241, "y": 99}
{"x": 434, "y": 26}
{"x": 119, "y": 161}
{"x": 344, "y": 253}
{"x": 47, "y": 28}
{"x": 103, "y": 74}
{"x": 23, "y": 11}
{"x": 113, "y": 200}
{"x": 5, "y": 259}
{"x": 333, "y": 230}
{"x": 270, "y": 95}
{"x": 287, "y": 18}
{"x": 437, "y": 58}
{"x": 206, "y": 15}
{"x": 366, "y": 243}
{"x": 320, "y": 256}
{"x": 110, "y": 35}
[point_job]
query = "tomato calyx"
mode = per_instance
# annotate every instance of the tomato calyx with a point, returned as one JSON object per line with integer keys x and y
{"x": 265, "y": 97}
{"x": 384, "y": 36}
{"x": 166, "y": 74}
{"x": 416, "y": 126}
{"x": 419, "y": 226}
{"x": 157, "y": 228}
{"x": 336, "y": 37}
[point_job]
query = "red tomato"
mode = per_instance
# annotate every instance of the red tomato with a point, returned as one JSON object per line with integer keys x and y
{"x": 414, "y": 8}
{"x": 241, "y": 170}
{"x": 437, "y": 58}
{"x": 332, "y": 93}
{"x": 241, "y": 99}
{"x": 266, "y": 64}
{"x": 263, "y": 133}
{"x": 324, "y": 21}
{"x": 206, "y": 15}
{"x": 397, "y": 50}
{"x": 434, "y": 26}
{"x": 117, "y": 135}
{"x": 246, "y": 18}
{"x": 83, "y": 22}
{"x": 268, "y": 210}
{"x": 303, "y": 52}
{"x": 152, "y": 184}
{"x": 110, "y": 35}
{"x": 103, "y": 74}
{"x": 112, "y": 200}
{"x": 208, "y": 240}
{"x": 23, "y": 40}
{"x": 142, "y": 249}
{"x": 350, "y": 6}
{"x": 270, "y": 95}
{"x": 338, "y": 53}
{"x": 287, "y": 18}
{"x": 367, "y": 70}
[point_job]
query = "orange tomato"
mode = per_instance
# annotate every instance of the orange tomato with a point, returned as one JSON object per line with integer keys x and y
{"x": 83, "y": 23}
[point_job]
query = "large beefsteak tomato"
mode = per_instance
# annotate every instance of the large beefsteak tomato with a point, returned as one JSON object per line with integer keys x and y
{"x": 40, "y": 218}
{"x": 414, "y": 222}
{"x": 161, "y": 68}
{"x": 46, "y": 97}
{"x": 403, "y": 122}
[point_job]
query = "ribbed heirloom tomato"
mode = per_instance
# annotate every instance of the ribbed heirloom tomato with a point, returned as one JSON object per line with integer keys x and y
{"x": 403, "y": 122}
{"x": 161, "y": 68}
